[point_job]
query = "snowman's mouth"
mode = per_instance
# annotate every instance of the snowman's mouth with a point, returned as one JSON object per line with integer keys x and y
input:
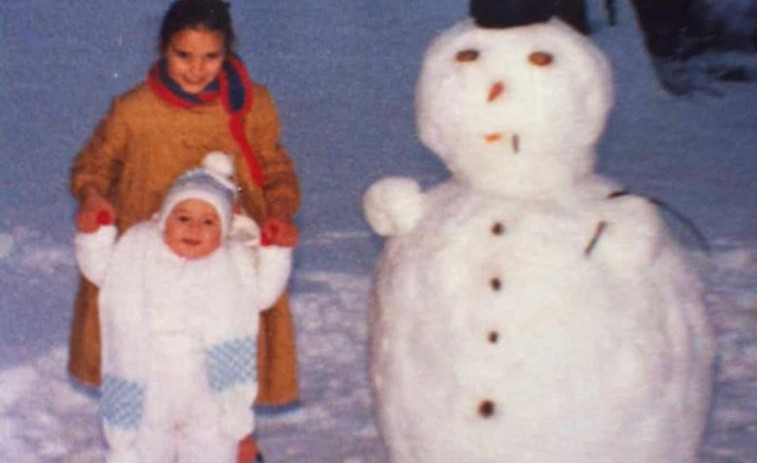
{"x": 497, "y": 137}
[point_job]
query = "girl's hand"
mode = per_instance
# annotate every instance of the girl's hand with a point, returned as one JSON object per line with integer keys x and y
{"x": 94, "y": 212}
{"x": 278, "y": 229}
{"x": 278, "y": 232}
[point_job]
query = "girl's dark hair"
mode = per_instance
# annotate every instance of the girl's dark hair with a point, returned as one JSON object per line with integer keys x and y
{"x": 211, "y": 15}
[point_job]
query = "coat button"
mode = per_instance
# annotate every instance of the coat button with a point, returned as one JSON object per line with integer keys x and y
{"x": 493, "y": 337}
{"x": 498, "y": 228}
{"x": 496, "y": 284}
{"x": 486, "y": 408}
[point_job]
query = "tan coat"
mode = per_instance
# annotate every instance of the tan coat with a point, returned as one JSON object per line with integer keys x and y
{"x": 141, "y": 146}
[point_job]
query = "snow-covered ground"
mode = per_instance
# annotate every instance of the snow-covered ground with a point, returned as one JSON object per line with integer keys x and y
{"x": 343, "y": 73}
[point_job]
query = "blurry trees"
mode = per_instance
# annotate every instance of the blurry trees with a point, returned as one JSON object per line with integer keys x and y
{"x": 678, "y": 29}
{"x": 665, "y": 24}
{"x": 681, "y": 28}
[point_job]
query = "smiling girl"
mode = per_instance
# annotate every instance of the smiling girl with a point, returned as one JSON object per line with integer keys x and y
{"x": 196, "y": 98}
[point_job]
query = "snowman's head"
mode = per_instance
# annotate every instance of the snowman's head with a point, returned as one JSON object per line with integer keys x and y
{"x": 515, "y": 110}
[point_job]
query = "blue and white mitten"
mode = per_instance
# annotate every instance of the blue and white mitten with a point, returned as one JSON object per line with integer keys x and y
{"x": 122, "y": 404}
{"x": 232, "y": 375}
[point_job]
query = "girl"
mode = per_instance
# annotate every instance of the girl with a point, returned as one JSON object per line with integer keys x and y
{"x": 196, "y": 98}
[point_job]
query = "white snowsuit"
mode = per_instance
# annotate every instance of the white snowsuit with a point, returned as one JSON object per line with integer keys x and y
{"x": 178, "y": 342}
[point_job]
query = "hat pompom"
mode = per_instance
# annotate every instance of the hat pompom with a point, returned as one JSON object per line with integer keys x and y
{"x": 218, "y": 163}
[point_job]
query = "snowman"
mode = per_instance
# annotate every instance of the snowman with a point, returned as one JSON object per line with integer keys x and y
{"x": 527, "y": 309}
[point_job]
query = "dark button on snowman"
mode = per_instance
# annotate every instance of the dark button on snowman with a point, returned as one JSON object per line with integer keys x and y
{"x": 524, "y": 312}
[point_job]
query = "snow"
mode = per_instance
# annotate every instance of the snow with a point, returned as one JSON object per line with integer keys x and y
{"x": 6, "y": 244}
{"x": 343, "y": 73}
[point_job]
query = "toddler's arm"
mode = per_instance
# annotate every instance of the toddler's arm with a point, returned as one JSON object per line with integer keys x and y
{"x": 267, "y": 268}
{"x": 93, "y": 252}
{"x": 274, "y": 267}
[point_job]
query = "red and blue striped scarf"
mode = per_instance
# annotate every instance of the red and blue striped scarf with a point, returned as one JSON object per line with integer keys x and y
{"x": 234, "y": 88}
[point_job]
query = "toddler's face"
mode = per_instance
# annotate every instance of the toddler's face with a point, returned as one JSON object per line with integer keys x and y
{"x": 193, "y": 229}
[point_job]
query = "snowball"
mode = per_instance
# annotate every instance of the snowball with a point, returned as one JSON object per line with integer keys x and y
{"x": 393, "y": 205}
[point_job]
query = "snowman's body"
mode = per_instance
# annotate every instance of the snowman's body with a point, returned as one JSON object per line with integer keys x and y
{"x": 533, "y": 331}
{"x": 526, "y": 312}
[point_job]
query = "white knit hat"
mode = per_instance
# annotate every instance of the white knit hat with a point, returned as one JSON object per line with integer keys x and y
{"x": 211, "y": 183}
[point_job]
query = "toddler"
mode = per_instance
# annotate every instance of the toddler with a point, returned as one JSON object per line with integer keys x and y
{"x": 180, "y": 297}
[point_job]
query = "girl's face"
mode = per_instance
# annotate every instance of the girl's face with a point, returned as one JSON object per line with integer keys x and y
{"x": 193, "y": 229}
{"x": 194, "y": 58}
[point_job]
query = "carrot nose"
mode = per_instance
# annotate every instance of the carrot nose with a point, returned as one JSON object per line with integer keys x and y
{"x": 495, "y": 91}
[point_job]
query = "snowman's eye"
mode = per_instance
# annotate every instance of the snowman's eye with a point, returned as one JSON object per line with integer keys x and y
{"x": 541, "y": 58}
{"x": 468, "y": 55}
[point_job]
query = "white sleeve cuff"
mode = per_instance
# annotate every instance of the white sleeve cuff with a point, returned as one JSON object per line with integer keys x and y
{"x": 93, "y": 251}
